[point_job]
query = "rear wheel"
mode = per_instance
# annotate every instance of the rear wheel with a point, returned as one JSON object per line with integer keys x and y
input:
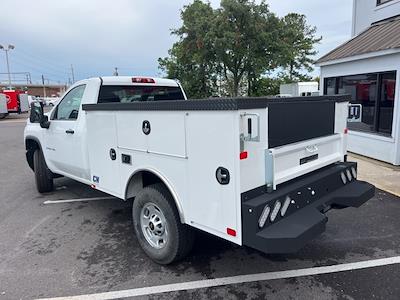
{"x": 157, "y": 226}
{"x": 43, "y": 176}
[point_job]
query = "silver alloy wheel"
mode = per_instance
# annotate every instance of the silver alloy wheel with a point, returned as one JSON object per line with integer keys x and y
{"x": 154, "y": 226}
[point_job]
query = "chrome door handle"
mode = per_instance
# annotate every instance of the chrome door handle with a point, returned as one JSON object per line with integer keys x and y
{"x": 69, "y": 131}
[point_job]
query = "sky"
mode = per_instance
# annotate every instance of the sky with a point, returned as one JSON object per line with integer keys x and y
{"x": 95, "y": 36}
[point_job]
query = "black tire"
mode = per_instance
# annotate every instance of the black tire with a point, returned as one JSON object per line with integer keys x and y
{"x": 43, "y": 176}
{"x": 2, "y": 116}
{"x": 180, "y": 236}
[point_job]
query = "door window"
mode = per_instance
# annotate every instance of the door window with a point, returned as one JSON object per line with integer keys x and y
{"x": 68, "y": 108}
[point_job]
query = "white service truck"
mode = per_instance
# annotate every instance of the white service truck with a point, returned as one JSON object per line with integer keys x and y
{"x": 258, "y": 172}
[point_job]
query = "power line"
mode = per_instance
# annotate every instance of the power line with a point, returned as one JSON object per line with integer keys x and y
{"x": 53, "y": 64}
{"x": 39, "y": 70}
{"x": 42, "y": 66}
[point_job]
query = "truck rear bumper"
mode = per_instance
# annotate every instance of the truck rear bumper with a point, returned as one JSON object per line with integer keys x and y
{"x": 309, "y": 198}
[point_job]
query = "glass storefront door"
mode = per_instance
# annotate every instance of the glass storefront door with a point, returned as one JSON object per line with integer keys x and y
{"x": 375, "y": 92}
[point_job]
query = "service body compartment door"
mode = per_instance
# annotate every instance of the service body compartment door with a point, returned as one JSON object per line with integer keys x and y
{"x": 160, "y": 133}
{"x": 104, "y": 156}
{"x": 213, "y": 150}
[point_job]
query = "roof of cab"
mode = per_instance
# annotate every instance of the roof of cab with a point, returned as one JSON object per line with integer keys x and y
{"x": 127, "y": 80}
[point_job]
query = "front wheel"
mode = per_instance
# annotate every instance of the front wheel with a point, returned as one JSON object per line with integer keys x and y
{"x": 43, "y": 176}
{"x": 157, "y": 226}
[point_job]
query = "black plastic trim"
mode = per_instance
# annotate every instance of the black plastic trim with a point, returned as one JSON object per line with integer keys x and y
{"x": 29, "y": 152}
{"x": 211, "y": 104}
{"x": 126, "y": 159}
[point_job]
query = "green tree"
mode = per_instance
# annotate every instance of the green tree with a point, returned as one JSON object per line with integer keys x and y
{"x": 267, "y": 86}
{"x": 297, "y": 47}
{"x": 245, "y": 42}
{"x": 231, "y": 50}
{"x": 192, "y": 58}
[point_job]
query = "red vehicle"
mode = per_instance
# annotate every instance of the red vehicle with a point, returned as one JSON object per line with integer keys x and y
{"x": 17, "y": 102}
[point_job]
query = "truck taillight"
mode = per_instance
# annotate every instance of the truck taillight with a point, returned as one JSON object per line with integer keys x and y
{"x": 244, "y": 155}
{"x": 142, "y": 80}
{"x": 285, "y": 206}
{"x": 354, "y": 172}
{"x": 231, "y": 232}
{"x": 343, "y": 177}
{"x": 275, "y": 211}
{"x": 264, "y": 216}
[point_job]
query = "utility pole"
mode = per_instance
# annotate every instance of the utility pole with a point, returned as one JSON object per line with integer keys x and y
{"x": 72, "y": 73}
{"x": 44, "y": 88}
{"x": 9, "y": 47}
{"x": 116, "y": 71}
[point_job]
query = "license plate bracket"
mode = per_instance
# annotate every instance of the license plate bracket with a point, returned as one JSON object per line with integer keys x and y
{"x": 308, "y": 159}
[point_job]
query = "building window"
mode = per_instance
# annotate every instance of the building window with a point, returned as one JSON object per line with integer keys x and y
{"x": 380, "y": 2}
{"x": 330, "y": 86}
{"x": 375, "y": 92}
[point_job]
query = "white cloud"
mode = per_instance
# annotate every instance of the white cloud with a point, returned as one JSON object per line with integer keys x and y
{"x": 97, "y": 35}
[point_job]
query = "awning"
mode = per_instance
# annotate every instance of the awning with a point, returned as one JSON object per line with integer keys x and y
{"x": 384, "y": 35}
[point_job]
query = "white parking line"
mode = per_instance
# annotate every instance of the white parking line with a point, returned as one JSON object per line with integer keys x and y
{"x": 208, "y": 283}
{"x": 78, "y": 200}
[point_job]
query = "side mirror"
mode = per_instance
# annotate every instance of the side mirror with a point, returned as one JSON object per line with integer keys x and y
{"x": 45, "y": 123}
{"x": 36, "y": 112}
{"x": 37, "y": 115}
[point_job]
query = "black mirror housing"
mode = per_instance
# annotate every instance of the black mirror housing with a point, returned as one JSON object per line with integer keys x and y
{"x": 45, "y": 123}
{"x": 37, "y": 115}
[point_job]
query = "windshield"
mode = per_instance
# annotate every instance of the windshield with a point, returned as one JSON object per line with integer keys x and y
{"x": 128, "y": 94}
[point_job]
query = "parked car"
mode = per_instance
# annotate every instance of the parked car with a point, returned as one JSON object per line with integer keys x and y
{"x": 260, "y": 173}
{"x": 51, "y": 101}
{"x": 32, "y": 99}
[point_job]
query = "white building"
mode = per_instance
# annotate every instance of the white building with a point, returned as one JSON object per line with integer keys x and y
{"x": 368, "y": 68}
{"x": 299, "y": 89}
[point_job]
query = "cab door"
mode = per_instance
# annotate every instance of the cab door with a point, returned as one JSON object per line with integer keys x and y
{"x": 64, "y": 140}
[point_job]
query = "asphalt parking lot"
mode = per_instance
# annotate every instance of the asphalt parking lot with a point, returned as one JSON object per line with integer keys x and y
{"x": 87, "y": 248}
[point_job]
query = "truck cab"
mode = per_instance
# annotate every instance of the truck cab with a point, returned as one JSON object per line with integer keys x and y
{"x": 64, "y": 143}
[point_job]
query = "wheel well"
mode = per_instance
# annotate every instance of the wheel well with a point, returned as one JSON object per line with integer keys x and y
{"x": 145, "y": 178}
{"x": 140, "y": 180}
{"x": 31, "y": 146}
